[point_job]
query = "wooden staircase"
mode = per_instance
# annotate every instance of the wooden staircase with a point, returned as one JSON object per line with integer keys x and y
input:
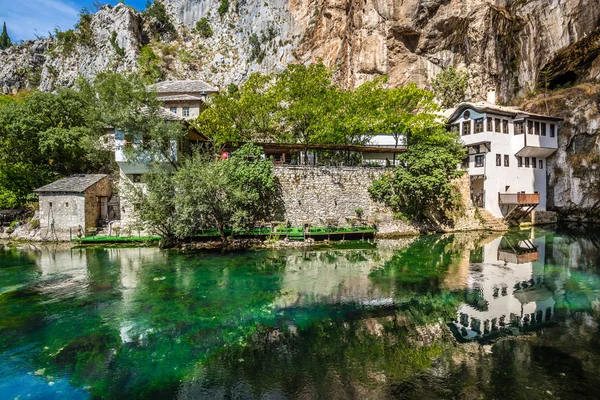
{"x": 490, "y": 222}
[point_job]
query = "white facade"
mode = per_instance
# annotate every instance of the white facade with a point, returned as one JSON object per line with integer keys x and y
{"x": 508, "y": 151}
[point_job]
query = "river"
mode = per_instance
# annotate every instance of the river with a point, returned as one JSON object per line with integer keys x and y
{"x": 469, "y": 316}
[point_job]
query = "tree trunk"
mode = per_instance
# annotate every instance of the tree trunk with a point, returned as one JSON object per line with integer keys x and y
{"x": 221, "y": 230}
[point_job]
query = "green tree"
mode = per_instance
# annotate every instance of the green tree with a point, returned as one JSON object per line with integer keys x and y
{"x": 45, "y": 136}
{"x": 204, "y": 193}
{"x": 244, "y": 115}
{"x": 450, "y": 86}
{"x": 5, "y": 41}
{"x": 421, "y": 188}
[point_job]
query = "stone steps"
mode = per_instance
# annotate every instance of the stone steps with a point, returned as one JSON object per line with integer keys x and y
{"x": 492, "y": 223}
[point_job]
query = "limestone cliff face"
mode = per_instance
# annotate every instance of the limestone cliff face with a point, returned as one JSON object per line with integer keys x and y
{"x": 574, "y": 180}
{"x": 503, "y": 43}
{"x": 47, "y": 64}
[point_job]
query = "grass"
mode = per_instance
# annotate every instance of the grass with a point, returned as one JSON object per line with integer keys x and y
{"x": 118, "y": 239}
{"x": 292, "y": 233}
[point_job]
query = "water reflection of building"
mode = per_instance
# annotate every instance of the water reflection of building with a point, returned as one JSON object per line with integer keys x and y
{"x": 506, "y": 287}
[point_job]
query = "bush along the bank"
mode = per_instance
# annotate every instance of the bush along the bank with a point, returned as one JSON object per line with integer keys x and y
{"x": 204, "y": 192}
{"x": 421, "y": 188}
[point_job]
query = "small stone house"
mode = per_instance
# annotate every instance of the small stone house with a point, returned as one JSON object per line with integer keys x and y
{"x": 79, "y": 201}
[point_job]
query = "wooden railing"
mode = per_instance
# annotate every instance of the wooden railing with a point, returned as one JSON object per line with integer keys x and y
{"x": 518, "y": 198}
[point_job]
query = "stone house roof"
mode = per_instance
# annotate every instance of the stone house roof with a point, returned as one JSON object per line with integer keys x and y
{"x": 186, "y": 86}
{"x": 73, "y": 184}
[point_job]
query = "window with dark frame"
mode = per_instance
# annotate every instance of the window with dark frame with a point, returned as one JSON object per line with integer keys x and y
{"x": 186, "y": 111}
{"x": 537, "y": 128}
{"x": 498, "y": 160}
{"x": 497, "y": 125}
{"x": 506, "y": 160}
{"x": 519, "y": 128}
{"x": 519, "y": 161}
{"x": 454, "y": 128}
{"x": 505, "y": 126}
{"x": 174, "y": 110}
{"x": 479, "y": 160}
{"x": 136, "y": 178}
{"x": 465, "y": 162}
{"x": 146, "y": 142}
{"x": 479, "y": 125}
{"x": 552, "y": 127}
{"x": 543, "y": 128}
{"x": 466, "y": 128}
{"x": 526, "y": 162}
{"x": 533, "y": 162}
{"x": 129, "y": 141}
{"x": 530, "y": 127}
{"x": 541, "y": 164}
{"x": 489, "y": 124}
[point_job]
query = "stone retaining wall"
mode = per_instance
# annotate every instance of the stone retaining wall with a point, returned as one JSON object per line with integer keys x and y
{"x": 314, "y": 194}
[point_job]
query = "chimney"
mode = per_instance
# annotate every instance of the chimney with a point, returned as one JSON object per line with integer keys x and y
{"x": 491, "y": 96}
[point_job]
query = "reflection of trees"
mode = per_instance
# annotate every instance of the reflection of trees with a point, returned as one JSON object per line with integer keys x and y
{"x": 351, "y": 358}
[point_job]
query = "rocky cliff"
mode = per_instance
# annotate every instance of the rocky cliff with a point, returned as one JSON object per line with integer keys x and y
{"x": 504, "y": 44}
{"x": 574, "y": 179}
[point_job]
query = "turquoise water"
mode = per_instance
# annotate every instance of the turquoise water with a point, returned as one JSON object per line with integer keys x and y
{"x": 453, "y": 316}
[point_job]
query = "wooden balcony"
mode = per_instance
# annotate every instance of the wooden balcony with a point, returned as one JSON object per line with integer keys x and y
{"x": 518, "y": 198}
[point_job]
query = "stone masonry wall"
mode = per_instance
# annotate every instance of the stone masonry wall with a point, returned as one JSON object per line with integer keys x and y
{"x": 314, "y": 194}
{"x": 67, "y": 212}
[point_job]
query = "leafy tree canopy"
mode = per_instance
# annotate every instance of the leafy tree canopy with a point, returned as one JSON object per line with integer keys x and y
{"x": 450, "y": 87}
{"x": 206, "y": 193}
{"x": 45, "y": 136}
{"x": 421, "y": 188}
{"x": 302, "y": 105}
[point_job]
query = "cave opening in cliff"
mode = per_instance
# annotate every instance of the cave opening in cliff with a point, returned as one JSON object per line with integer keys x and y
{"x": 565, "y": 79}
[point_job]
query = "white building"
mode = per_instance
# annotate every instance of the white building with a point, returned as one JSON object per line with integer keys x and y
{"x": 181, "y": 101}
{"x": 507, "y": 153}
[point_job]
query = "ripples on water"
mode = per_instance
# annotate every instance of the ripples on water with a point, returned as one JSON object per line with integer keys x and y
{"x": 454, "y": 316}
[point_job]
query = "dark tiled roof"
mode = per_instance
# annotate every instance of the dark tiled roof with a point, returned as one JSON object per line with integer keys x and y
{"x": 180, "y": 97}
{"x": 188, "y": 86}
{"x": 484, "y": 107}
{"x": 72, "y": 184}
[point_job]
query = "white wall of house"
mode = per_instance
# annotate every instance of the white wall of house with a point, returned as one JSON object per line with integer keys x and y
{"x": 511, "y": 178}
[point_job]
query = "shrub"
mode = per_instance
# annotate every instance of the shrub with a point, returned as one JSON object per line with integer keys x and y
{"x": 223, "y": 7}
{"x": 113, "y": 41}
{"x": 150, "y": 65}
{"x": 203, "y": 28}
{"x": 160, "y": 23}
